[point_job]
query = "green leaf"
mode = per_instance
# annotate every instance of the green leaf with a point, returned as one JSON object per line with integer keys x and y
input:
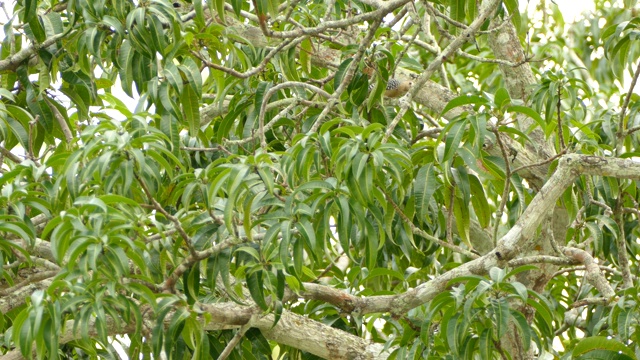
{"x": 30, "y": 10}
{"x": 542, "y": 313}
{"x": 192, "y": 75}
{"x": 237, "y": 6}
{"x": 457, "y": 13}
{"x": 172, "y": 74}
{"x": 272, "y": 6}
{"x": 236, "y": 177}
{"x": 453, "y": 325}
{"x": 19, "y": 123}
{"x": 190, "y": 109}
{"x": 305, "y": 228}
{"x": 424, "y": 187}
{"x": 342, "y": 69}
{"x": 514, "y": 12}
{"x": 283, "y": 250}
{"x": 298, "y": 256}
{"x": 125, "y": 66}
{"x": 306, "y": 52}
{"x": 625, "y": 319}
{"x": 479, "y": 201}
{"x": 520, "y": 269}
{"x": 191, "y": 283}
{"x": 486, "y": 343}
{"x": 528, "y": 112}
{"x": 463, "y": 220}
{"x": 220, "y": 9}
{"x": 502, "y": 98}
{"x": 17, "y": 228}
{"x": 525, "y": 328}
{"x": 463, "y": 100}
{"x": 453, "y": 136}
{"x": 501, "y": 314}
{"x": 255, "y": 286}
{"x": 594, "y": 343}
{"x": 22, "y": 333}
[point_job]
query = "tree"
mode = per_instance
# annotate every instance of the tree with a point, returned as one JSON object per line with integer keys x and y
{"x": 264, "y": 199}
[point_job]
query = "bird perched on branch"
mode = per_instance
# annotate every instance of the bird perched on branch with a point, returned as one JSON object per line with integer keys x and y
{"x": 395, "y": 88}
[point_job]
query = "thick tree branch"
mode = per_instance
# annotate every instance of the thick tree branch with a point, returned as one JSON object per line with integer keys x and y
{"x": 18, "y": 295}
{"x": 13, "y": 61}
{"x": 519, "y": 237}
{"x": 10, "y": 155}
{"x": 594, "y": 276}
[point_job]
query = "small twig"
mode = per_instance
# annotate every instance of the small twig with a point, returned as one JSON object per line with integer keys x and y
{"x": 498, "y": 27}
{"x": 271, "y": 92}
{"x": 559, "y": 110}
{"x": 621, "y": 244}
{"x": 427, "y": 133}
{"x": 371, "y": 17}
{"x": 428, "y": 117}
{"x": 9, "y": 155}
{"x": 424, "y": 234}
{"x": 331, "y": 102}
{"x": 32, "y": 133}
{"x": 329, "y": 9}
{"x": 273, "y": 121}
{"x": 633, "y": 129}
{"x": 189, "y": 261}
{"x": 507, "y": 184}
{"x": 328, "y": 268}
{"x": 292, "y": 5}
{"x": 437, "y": 13}
{"x": 430, "y": 48}
{"x": 402, "y": 52}
{"x": 450, "y": 216}
{"x": 592, "y": 201}
{"x": 176, "y": 222}
{"x": 286, "y": 44}
{"x": 441, "y": 29}
{"x": 399, "y": 16}
{"x": 234, "y": 341}
{"x": 61, "y": 121}
{"x": 487, "y": 8}
{"x": 523, "y": 167}
{"x": 590, "y": 301}
{"x": 494, "y": 61}
{"x": 634, "y": 209}
{"x": 582, "y": 268}
{"x": 623, "y": 111}
{"x": 218, "y": 148}
{"x": 551, "y": 235}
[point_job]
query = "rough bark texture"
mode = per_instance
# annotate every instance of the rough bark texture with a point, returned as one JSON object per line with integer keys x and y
{"x": 519, "y": 81}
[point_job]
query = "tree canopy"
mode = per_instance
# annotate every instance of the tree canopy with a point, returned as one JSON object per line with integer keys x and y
{"x": 231, "y": 180}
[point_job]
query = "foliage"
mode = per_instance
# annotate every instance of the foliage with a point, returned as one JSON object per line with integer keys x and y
{"x": 227, "y": 180}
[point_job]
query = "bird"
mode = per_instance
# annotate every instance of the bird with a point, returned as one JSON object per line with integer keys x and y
{"x": 395, "y": 88}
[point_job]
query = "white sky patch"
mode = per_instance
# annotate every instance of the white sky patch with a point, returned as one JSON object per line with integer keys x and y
{"x": 570, "y": 9}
